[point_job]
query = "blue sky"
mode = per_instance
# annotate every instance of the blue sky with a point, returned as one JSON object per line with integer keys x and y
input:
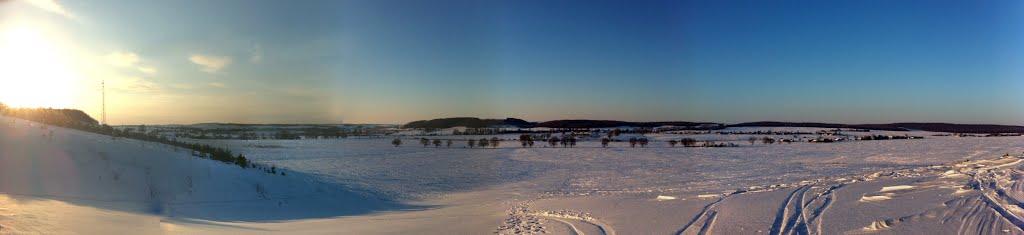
{"x": 397, "y": 61}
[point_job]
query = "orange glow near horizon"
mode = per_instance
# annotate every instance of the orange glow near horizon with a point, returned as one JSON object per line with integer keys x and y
{"x": 35, "y": 70}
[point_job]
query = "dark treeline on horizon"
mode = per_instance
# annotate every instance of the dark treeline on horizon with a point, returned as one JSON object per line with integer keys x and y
{"x": 470, "y": 122}
{"x": 488, "y": 126}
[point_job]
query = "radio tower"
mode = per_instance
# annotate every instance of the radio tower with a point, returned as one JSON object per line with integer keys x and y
{"x": 103, "y": 92}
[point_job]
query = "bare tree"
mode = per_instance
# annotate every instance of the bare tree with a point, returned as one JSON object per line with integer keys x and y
{"x": 688, "y": 142}
{"x": 524, "y": 139}
{"x": 553, "y": 141}
{"x": 483, "y": 143}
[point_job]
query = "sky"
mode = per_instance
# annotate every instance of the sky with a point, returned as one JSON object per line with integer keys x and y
{"x": 386, "y": 61}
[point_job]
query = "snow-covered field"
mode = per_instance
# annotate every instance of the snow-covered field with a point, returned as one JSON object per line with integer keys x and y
{"x": 412, "y": 170}
{"x": 75, "y": 182}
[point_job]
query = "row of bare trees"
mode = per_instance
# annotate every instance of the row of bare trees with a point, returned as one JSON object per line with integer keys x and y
{"x": 426, "y": 142}
{"x": 493, "y": 142}
{"x": 527, "y": 141}
{"x": 484, "y": 142}
{"x": 765, "y": 140}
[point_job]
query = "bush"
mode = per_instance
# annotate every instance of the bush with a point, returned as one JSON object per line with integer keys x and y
{"x": 688, "y": 142}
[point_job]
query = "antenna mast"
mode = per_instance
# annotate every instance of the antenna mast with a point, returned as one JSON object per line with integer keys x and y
{"x": 103, "y": 87}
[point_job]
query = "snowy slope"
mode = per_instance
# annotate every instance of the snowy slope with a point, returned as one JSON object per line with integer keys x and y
{"x": 90, "y": 170}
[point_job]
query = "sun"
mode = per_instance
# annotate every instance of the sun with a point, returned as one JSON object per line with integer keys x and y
{"x": 35, "y": 71}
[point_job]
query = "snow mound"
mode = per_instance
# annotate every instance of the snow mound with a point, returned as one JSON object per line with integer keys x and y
{"x": 81, "y": 168}
{"x": 875, "y": 198}
{"x": 895, "y": 188}
{"x": 664, "y": 198}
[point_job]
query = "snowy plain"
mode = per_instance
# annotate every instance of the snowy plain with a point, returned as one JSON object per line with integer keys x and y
{"x": 76, "y": 182}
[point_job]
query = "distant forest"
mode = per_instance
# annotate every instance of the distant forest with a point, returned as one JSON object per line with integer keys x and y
{"x": 472, "y": 122}
{"x": 902, "y": 126}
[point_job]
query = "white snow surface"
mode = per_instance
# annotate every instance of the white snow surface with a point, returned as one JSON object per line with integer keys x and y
{"x": 76, "y": 182}
{"x": 413, "y": 171}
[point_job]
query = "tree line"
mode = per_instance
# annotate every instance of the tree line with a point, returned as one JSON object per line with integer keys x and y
{"x": 528, "y": 141}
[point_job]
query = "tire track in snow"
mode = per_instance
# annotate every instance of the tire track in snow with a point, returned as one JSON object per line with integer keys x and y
{"x": 571, "y": 226}
{"x": 782, "y": 215}
{"x": 709, "y": 223}
{"x": 995, "y": 196}
{"x": 817, "y": 215}
{"x": 999, "y": 206}
{"x": 703, "y": 214}
{"x": 976, "y": 214}
{"x": 797, "y": 217}
{"x": 562, "y": 217}
{"x": 815, "y": 218}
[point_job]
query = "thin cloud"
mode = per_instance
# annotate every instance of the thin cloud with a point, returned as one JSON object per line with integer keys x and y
{"x": 52, "y": 6}
{"x": 210, "y": 64}
{"x": 122, "y": 59}
{"x": 147, "y": 69}
{"x": 182, "y": 86}
{"x": 217, "y": 85}
{"x": 131, "y": 84}
{"x": 129, "y": 60}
